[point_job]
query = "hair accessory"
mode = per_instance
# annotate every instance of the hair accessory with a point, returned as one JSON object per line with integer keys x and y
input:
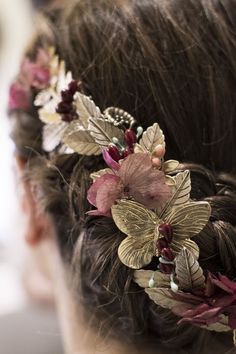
{"x": 147, "y": 197}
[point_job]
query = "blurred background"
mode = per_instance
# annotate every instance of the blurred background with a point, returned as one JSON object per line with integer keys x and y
{"x": 28, "y": 323}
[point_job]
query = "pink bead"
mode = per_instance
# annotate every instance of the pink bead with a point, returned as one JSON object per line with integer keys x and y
{"x": 156, "y": 162}
{"x": 167, "y": 254}
{"x": 159, "y": 151}
{"x": 130, "y": 137}
{"x": 166, "y": 231}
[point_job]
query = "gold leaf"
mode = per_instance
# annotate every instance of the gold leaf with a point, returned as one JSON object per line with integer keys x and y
{"x": 85, "y": 108}
{"x": 160, "y": 280}
{"x": 220, "y": 326}
{"x": 100, "y": 173}
{"x": 189, "y": 219}
{"x": 188, "y": 271}
{"x": 82, "y": 142}
{"x": 152, "y": 137}
{"x": 103, "y": 132}
{"x": 52, "y": 135}
{"x": 170, "y": 166}
{"x": 135, "y": 253}
{"x": 133, "y": 219}
{"x": 176, "y": 247}
{"x": 162, "y": 297}
{"x": 181, "y": 194}
{"x": 138, "y": 148}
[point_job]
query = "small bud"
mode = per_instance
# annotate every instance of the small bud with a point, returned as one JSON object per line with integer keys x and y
{"x": 130, "y": 137}
{"x": 166, "y": 231}
{"x": 159, "y": 151}
{"x": 67, "y": 117}
{"x": 167, "y": 254}
{"x": 67, "y": 97}
{"x": 114, "y": 153}
{"x": 156, "y": 162}
{"x": 161, "y": 244}
{"x": 73, "y": 87}
{"x": 63, "y": 107}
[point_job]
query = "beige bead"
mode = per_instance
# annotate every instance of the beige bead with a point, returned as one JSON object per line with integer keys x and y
{"x": 159, "y": 151}
{"x": 156, "y": 162}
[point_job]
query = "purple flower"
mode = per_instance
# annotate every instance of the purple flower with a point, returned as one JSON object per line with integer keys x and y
{"x": 136, "y": 178}
{"x": 218, "y": 297}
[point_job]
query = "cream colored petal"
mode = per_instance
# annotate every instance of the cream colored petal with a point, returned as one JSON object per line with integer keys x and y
{"x": 136, "y": 253}
{"x": 133, "y": 219}
{"x": 142, "y": 278}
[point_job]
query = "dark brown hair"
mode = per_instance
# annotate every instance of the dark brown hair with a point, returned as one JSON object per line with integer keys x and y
{"x": 166, "y": 61}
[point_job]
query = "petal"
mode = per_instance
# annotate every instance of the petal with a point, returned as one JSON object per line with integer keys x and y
{"x": 19, "y": 97}
{"x": 104, "y": 192}
{"x": 144, "y": 183}
{"x": 109, "y": 160}
{"x": 136, "y": 253}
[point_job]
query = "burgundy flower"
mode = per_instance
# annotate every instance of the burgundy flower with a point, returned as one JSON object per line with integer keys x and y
{"x": 136, "y": 178}
{"x": 19, "y": 97}
{"x": 219, "y": 297}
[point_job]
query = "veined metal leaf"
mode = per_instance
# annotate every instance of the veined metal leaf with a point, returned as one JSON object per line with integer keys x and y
{"x": 170, "y": 165}
{"x": 139, "y": 148}
{"x": 160, "y": 280}
{"x": 100, "y": 173}
{"x": 189, "y": 219}
{"x": 152, "y": 137}
{"x": 136, "y": 252}
{"x": 188, "y": 271}
{"x": 85, "y": 108}
{"x": 52, "y": 135}
{"x": 82, "y": 142}
{"x": 133, "y": 219}
{"x": 162, "y": 297}
{"x": 103, "y": 132}
{"x": 176, "y": 246}
{"x": 181, "y": 193}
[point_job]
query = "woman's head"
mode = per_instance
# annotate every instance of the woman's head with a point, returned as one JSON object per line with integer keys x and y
{"x": 166, "y": 61}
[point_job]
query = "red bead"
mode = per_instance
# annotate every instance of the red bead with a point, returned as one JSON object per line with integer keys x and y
{"x": 161, "y": 244}
{"x": 167, "y": 254}
{"x": 73, "y": 87}
{"x": 166, "y": 231}
{"x": 166, "y": 268}
{"x": 130, "y": 137}
{"x": 114, "y": 153}
{"x": 67, "y": 97}
{"x": 63, "y": 107}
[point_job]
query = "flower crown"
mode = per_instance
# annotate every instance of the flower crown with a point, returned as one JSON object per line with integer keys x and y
{"x": 147, "y": 197}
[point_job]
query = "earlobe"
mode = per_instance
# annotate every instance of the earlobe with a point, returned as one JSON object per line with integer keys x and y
{"x": 36, "y": 222}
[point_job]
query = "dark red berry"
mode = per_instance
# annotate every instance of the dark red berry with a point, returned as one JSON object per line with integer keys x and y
{"x": 63, "y": 107}
{"x": 67, "y": 117}
{"x": 161, "y": 244}
{"x": 73, "y": 87}
{"x": 114, "y": 153}
{"x": 167, "y": 254}
{"x": 166, "y": 268}
{"x": 130, "y": 137}
{"x": 67, "y": 97}
{"x": 127, "y": 152}
{"x": 166, "y": 231}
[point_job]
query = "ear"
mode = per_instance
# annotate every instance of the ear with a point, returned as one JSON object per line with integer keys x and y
{"x": 38, "y": 224}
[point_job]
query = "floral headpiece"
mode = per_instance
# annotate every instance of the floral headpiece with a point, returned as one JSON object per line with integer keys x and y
{"x": 147, "y": 197}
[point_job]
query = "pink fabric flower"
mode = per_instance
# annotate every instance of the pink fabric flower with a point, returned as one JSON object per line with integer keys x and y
{"x": 33, "y": 74}
{"x": 135, "y": 179}
{"x": 219, "y": 297}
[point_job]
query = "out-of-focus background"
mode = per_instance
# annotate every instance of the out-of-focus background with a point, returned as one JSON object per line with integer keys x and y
{"x": 28, "y": 325}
